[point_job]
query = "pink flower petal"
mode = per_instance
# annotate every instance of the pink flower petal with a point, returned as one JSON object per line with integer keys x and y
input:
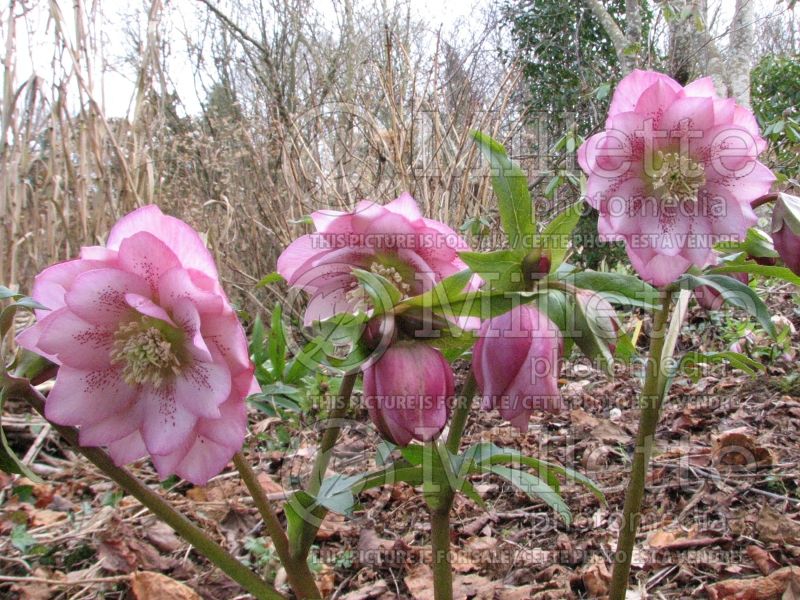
{"x": 75, "y": 342}
{"x": 85, "y": 397}
{"x": 230, "y": 429}
{"x": 147, "y": 307}
{"x": 179, "y": 236}
{"x": 630, "y": 89}
{"x": 406, "y": 206}
{"x": 98, "y": 296}
{"x": 167, "y": 422}
{"x": 202, "y": 387}
{"x": 177, "y": 283}
{"x": 187, "y": 318}
{"x": 116, "y": 427}
{"x": 147, "y": 256}
{"x": 203, "y": 459}
{"x": 127, "y": 449}
{"x": 302, "y": 251}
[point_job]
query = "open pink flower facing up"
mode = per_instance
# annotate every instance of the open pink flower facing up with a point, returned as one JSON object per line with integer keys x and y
{"x": 516, "y": 361}
{"x": 394, "y": 241}
{"x": 153, "y": 359}
{"x": 673, "y": 173}
{"x": 408, "y": 392}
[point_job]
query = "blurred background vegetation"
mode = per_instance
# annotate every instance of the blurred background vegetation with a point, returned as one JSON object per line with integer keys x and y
{"x": 305, "y": 105}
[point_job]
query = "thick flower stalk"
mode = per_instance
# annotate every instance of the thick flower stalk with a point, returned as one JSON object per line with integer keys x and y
{"x": 153, "y": 359}
{"x": 516, "y": 361}
{"x": 394, "y": 241}
{"x": 673, "y": 173}
{"x": 409, "y": 392}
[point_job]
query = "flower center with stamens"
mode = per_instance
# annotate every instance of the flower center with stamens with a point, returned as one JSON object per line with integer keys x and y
{"x": 676, "y": 177}
{"x": 392, "y": 275}
{"x": 145, "y": 352}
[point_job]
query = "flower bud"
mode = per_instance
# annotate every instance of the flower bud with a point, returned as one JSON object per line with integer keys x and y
{"x": 710, "y": 298}
{"x": 409, "y": 392}
{"x": 516, "y": 363}
{"x": 786, "y": 230}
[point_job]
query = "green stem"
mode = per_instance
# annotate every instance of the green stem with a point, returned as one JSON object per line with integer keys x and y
{"x": 650, "y": 404}
{"x": 440, "y": 544}
{"x": 297, "y": 572}
{"x": 157, "y": 505}
{"x": 336, "y": 413}
{"x": 459, "y": 419}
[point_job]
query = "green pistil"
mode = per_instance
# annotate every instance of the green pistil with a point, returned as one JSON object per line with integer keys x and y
{"x": 145, "y": 352}
{"x": 677, "y": 177}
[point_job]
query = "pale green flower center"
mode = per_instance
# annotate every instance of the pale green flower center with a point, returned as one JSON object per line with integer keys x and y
{"x": 676, "y": 177}
{"x": 146, "y": 354}
{"x": 392, "y": 275}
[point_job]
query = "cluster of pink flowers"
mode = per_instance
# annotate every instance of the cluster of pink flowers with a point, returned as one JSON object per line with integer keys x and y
{"x": 153, "y": 359}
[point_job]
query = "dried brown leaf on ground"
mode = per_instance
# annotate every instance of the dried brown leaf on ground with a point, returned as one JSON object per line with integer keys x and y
{"x": 596, "y": 577}
{"x": 121, "y": 551}
{"x": 762, "y": 559}
{"x": 147, "y": 585}
{"x": 776, "y": 527}
{"x": 771, "y": 587}
{"x": 738, "y": 448}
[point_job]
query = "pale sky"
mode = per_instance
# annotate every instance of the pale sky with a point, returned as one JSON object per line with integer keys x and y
{"x": 115, "y": 89}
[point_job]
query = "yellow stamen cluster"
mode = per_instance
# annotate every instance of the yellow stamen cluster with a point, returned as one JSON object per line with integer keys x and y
{"x": 146, "y": 355}
{"x": 678, "y": 177}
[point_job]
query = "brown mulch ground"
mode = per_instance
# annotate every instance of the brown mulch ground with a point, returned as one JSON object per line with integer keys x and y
{"x": 722, "y": 516}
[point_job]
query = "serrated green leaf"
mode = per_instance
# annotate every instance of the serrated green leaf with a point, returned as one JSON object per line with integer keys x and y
{"x": 500, "y": 269}
{"x": 383, "y": 293}
{"x": 736, "y": 360}
{"x": 511, "y": 188}
{"x": 555, "y": 238}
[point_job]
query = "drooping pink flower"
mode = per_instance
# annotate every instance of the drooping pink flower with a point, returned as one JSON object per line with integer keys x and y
{"x": 786, "y": 230}
{"x": 710, "y": 298}
{"x": 673, "y": 173}
{"x": 408, "y": 392}
{"x": 394, "y": 241}
{"x": 153, "y": 359}
{"x": 516, "y": 361}
{"x": 598, "y": 309}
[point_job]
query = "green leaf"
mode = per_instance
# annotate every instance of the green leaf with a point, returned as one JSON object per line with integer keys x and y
{"x": 736, "y": 360}
{"x": 257, "y": 342}
{"x": 756, "y": 269}
{"x": 735, "y": 292}
{"x": 534, "y": 487}
{"x": 336, "y": 493}
{"x": 500, "y": 269}
{"x": 592, "y": 336}
{"x": 7, "y": 293}
{"x": 491, "y": 454}
{"x": 277, "y": 343}
{"x": 269, "y": 279}
{"x": 511, "y": 187}
{"x": 560, "y": 309}
{"x": 303, "y": 517}
{"x": 555, "y": 238}
{"x": 9, "y": 462}
{"x": 440, "y": 294}
{"x": 617, "y": 288}
{"x": 756, "y": 243}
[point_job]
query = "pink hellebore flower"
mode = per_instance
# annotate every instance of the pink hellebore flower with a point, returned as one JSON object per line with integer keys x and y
{"x": 673, "y": 173}
{"x": 153, "y": 359}
{"x": 409, "y": 392}
{"x": 394, "y": 241}
{"x": 516, "y": 361}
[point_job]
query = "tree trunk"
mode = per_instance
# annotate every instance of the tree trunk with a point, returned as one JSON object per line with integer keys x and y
{"x": 741, "y": 51}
